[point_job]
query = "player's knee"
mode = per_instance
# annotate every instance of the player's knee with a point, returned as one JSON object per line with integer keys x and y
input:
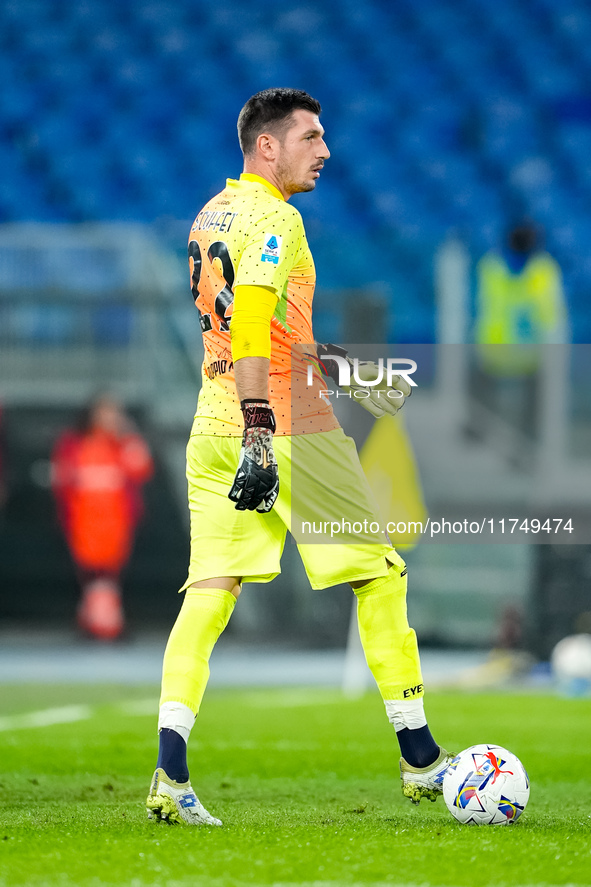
{"x": 226, "y": 583}
{"x": 397, "y": 571}
{"x": 393, "y": 585}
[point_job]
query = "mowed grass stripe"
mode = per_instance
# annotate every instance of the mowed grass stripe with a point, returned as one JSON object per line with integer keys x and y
{"x": 308, "y": 792}
{"x": 148, "y": 707}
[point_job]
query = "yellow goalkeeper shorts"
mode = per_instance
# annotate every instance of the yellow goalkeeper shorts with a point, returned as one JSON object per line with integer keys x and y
{"x": 324, "y": 501}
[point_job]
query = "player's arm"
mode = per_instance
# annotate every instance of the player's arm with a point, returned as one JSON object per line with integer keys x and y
{"x": 250, "y": 333}
{"x": 382, "y": 398}
{"x": 256, "y": 484}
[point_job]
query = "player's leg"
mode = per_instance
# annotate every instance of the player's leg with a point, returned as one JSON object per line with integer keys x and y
{"x": 205, "y": 612}
{"x": 330, "y": 493}
{"x": 392, "y": 654}
{"x": 225, "y": 543}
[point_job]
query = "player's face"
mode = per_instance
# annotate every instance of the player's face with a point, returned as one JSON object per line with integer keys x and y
{"x": 302, "y": 153}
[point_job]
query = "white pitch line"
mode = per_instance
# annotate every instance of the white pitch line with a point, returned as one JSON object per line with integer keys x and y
{"x": 66, "y": 714}
{"x": 139, "y": 707}
{"x": 69, "y": 714}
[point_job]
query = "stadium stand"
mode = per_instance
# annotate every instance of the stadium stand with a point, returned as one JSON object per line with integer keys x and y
{"x": 445, "y": 118}
{"x": 440, "y": 116}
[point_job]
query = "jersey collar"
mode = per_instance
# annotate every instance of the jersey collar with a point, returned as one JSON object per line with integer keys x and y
{"x": 251, "y": 177}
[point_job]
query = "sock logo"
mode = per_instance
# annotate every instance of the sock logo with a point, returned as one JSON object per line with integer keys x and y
{"x": 413, "y": 691}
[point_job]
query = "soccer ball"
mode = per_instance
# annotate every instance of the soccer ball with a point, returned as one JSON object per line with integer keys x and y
{"x": 571, "y": 663}
{"x": 486, "y": 785}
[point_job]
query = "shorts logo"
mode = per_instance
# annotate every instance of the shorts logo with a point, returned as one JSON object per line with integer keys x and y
{"x": 272, "y": 248}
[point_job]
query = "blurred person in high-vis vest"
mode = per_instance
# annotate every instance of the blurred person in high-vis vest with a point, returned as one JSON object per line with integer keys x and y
{"x": 98, "y": 470}
{"x": 520, "y": 309}
{"x": 520, "y": 302}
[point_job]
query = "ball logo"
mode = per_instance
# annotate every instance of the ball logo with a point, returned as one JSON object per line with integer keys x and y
{"x": 496, "y": 764}
{"x": 487, "y": 770}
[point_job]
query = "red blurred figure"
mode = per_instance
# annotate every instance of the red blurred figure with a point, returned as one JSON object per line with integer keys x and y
{"x": 97, "y": 474}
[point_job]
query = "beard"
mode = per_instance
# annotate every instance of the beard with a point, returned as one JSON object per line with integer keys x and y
{"x": 295, "y": 188}
{"x": 286, "y": 176}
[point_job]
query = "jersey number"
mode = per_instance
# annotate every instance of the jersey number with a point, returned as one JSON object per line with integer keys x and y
{"x": 219, "y": 258}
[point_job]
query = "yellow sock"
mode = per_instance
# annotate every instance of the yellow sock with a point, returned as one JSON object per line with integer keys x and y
{"x": 389, "y": 643}
{"x": 185, "y": 670}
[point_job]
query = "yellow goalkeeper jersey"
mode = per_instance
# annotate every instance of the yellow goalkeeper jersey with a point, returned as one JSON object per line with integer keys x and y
{"x": 249, "y": 235}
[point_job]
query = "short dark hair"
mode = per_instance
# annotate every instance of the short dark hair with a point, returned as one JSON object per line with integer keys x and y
{"x": 269, "y": 111}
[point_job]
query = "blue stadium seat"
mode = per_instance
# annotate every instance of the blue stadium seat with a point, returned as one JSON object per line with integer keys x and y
{"x": 439, "y": 115}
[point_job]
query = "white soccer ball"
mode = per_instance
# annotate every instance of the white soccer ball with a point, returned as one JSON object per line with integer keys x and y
{"x": 571, "y": 662}
{"x": 486, "y": 785}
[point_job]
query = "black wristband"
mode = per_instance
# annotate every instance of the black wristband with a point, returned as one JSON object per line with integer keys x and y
{"x": 244, "y": 403}
{"x": 258, "y": 414}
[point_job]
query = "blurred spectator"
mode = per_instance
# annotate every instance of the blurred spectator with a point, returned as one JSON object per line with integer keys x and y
{"x": 520, "y": 304}
{"x": 98, "y": 470}
{"x": 520, "y": 298}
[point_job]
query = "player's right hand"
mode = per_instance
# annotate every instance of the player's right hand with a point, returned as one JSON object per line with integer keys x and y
{"x": 256, "y": 485}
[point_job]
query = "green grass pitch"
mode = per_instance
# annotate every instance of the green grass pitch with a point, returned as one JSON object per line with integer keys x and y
{"x": 305, "y": 781}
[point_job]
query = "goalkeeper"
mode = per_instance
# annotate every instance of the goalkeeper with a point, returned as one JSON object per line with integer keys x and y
{"x": 266, "y": 453}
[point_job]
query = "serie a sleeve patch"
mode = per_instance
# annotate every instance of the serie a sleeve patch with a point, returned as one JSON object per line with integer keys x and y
{"x": 272, "y": 248}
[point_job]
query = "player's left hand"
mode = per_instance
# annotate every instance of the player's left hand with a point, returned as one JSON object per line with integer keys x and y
{"x": 381, "y": 398}
{"x": 256, "y": 484}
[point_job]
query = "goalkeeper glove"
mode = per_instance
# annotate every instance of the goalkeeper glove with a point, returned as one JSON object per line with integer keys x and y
{"x": 377, "y": 399}
{"x": 256, "y": 484}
